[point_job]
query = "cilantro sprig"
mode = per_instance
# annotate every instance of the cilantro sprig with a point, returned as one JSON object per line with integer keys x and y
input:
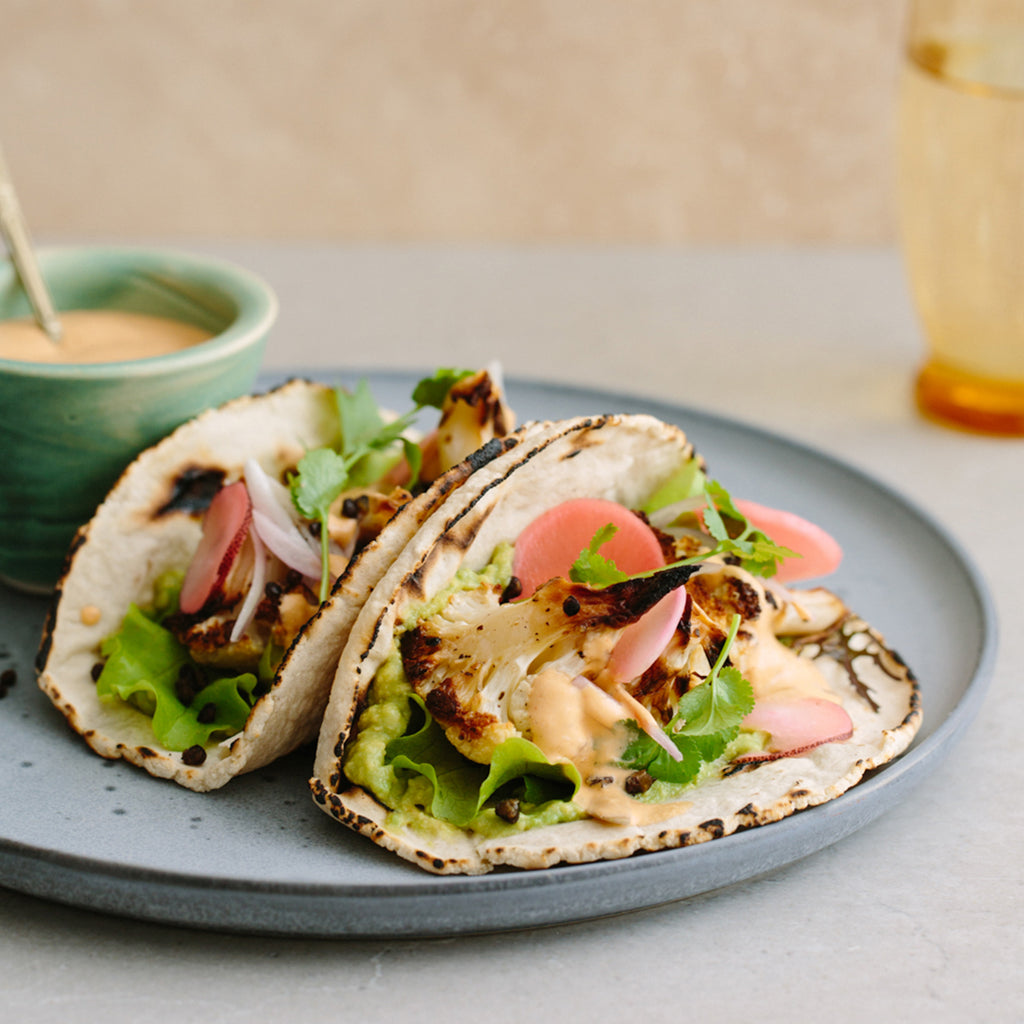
{"x": 706, "y": 721}
{"x": 736, "y": 535}
{"x": 733, "y": 533}
{"x": 366, "y": 450}
{"x": 591, "y": 567}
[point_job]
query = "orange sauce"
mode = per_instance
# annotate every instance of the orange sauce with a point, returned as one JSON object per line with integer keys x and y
{"x": 98, "y": 336}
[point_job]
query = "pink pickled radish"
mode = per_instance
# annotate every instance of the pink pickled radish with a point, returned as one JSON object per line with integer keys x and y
{"x": 821, "y": 553}
{"x": 797, "y": 726}
{"x": 641, "y": 642}
{"x": 225, "y": 526}
{"x": 553, "y": 541}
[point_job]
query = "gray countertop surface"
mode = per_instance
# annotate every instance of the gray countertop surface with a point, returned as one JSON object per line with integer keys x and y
{"x": 918, "y": 915}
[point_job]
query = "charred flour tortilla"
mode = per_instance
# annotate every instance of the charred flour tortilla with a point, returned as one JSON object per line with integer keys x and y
{"x": 150, "y": 525}
{"x": 442, "y": 632}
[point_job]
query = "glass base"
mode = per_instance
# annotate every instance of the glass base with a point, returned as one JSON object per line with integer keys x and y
{"x": 974, "y": 403}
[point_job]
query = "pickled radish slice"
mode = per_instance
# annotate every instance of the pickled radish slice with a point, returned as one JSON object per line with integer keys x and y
{"x": 638, "y": 647}
{"x": 553, "y": 541}
{"x": 225, "y": 526}
{"x": 821, "y": 553}
{"x": 797, "y": 726}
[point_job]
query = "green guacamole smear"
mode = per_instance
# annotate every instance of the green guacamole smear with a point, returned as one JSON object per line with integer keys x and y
{"x": 143, "y": 663}
{"x": 403, "y": 757}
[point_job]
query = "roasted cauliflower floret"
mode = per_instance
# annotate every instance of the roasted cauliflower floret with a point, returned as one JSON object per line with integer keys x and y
{"x": 473, "y": 662}
{"x": 474, "y": 412}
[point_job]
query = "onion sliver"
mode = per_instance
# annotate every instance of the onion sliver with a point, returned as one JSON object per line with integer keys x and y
{"x": 648, "y": 722}
{"x": 287, "y": 544}
{"x": 252, "y": 599}
{"x": 268, "y": 496}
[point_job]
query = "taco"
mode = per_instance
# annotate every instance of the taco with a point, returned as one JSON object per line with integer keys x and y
{"x": 601, "y": 653}
{"x": 172, "y": 638}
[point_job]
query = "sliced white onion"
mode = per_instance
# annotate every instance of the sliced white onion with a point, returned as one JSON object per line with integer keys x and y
{"x": 626, "y": 702}
{"x": 583, "y": 683}
{"x": 648, "y": 722}
{"x": 287, "y": 543}
{"x": 497, "y": 375}
{"x": 267, "y": 495}
{"x": 276, "y": 524}
{"x": 256, "y": 585}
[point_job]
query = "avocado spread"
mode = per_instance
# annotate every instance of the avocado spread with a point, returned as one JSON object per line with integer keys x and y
{"x": 390, "y": 715}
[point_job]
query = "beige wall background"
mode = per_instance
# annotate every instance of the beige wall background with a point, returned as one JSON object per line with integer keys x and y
{"x": 703, "y": 121}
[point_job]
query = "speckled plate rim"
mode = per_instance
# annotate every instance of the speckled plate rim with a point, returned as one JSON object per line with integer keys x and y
{"x": 407, "y": 903}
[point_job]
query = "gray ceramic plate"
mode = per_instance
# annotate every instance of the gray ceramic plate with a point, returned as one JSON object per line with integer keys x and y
{"x": 259, "y": 857}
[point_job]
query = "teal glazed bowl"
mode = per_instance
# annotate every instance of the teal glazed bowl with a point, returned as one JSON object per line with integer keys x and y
{"x": 67, "y": 430}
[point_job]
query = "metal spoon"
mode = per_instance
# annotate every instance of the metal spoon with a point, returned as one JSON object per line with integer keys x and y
{"x": 15, "y": 232}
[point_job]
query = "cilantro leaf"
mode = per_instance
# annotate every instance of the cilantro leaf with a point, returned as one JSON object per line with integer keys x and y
{"x": 432, "y": 391}
{"x": 593, "y": 568}
{"x": 757, "y": 553}
{"x": 718, "y": 703}
{"x": 707, "y": 719}
{"x": 322, "y": 475}
{"x": 366, "y": 453}
{"x": 643, "y": 754}
{"x": 360, "y": 417}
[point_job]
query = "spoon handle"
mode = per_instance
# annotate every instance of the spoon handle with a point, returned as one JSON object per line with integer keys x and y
{"x": 12, "y": 227}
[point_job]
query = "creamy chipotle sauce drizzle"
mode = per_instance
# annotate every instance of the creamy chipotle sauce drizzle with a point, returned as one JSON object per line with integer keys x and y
{"x": 98, "y": 336}
{"x": 775, "y": 671}
{"x": 580, "y": 724}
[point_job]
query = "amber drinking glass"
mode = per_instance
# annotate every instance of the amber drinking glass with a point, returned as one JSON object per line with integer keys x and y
{"x": 961, "y": 189}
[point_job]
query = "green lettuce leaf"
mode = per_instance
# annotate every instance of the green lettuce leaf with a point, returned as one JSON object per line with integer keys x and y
{"x": 462, "y": 787}
{"x": 143, "y": 662}
{"x": 687, "y": 482}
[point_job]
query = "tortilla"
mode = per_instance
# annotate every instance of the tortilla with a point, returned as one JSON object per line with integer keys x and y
{"x": 625, "y": 459}
{"x": 150, "y": 523}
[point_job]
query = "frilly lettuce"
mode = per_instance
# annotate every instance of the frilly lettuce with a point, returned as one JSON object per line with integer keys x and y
{"x": 143, "y": 662}
{"x": 461, "y": 788}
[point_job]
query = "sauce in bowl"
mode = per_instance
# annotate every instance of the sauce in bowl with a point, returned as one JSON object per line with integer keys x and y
{"x": 98, "y": 336}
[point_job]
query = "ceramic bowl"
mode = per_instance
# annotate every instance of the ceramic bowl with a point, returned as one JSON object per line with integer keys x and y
{"x": 68, "y": 430}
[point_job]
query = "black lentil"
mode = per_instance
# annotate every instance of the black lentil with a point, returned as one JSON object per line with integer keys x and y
{"x": 639, "y": 782}
{"x": 507, "y": 810}
{"x": 188, "y": 683}
{"x": 512, "y": 590}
